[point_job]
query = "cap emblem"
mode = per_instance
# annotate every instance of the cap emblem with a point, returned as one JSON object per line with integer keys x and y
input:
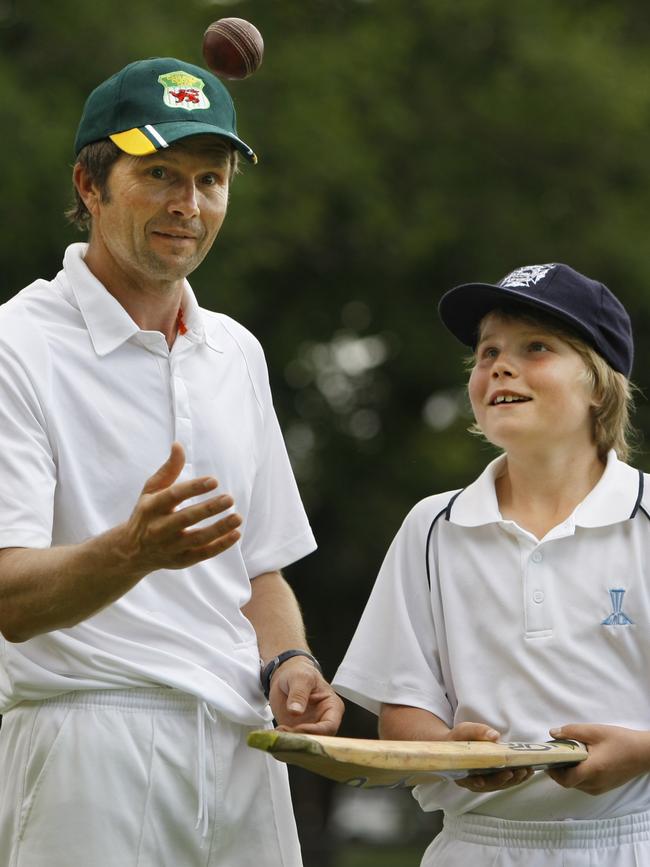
{"x": 529, "y": 275}
{"x": 182, "y": 90}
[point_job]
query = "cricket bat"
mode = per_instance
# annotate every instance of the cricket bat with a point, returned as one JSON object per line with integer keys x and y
{"x": 368, "y": 764}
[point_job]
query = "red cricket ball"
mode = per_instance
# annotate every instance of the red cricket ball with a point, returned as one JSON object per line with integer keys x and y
{"x": 233, "y": 47}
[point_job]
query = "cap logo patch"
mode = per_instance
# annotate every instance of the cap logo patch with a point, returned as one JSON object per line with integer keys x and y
{"x": 529, "y": 275}
{"x": 182, "y": 90}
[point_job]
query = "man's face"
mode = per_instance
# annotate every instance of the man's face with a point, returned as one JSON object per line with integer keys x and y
{"x": 162, "y": 212}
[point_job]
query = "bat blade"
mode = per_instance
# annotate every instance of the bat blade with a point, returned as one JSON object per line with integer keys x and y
{"x": 367, "y": 763}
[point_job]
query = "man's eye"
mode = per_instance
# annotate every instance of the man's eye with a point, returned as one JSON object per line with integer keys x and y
{"x": 157, "y": 172}
{"x": 214, "y": 179}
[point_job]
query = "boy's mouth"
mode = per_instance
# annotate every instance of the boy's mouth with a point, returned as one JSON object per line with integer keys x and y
{"x": 509, "y": 398}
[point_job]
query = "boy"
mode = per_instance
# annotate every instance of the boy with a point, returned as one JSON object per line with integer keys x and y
{"x": 519, "y": 607}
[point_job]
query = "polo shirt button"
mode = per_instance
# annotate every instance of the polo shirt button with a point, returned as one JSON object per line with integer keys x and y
{"x": 538, "y": 596}
{"x": 537, "y": 557}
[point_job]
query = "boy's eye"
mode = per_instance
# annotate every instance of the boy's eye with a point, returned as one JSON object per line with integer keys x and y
{"x": 538, "y": 346}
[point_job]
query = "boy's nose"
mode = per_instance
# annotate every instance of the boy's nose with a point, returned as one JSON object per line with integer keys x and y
{"x": 502, "y": 367}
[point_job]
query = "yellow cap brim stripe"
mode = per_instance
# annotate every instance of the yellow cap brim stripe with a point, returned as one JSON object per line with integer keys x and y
{"x": 133, "y": 142}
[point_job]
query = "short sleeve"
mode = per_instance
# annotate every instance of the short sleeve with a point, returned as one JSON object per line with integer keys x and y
{"x": 393, "y": 657}
{"x": 27, "y": 466}
{"x": 277, "y": 531}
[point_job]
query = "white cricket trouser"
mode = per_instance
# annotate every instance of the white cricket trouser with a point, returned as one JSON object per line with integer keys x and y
{"x": 483, "y": 841}
{"x": 138, "y": 778}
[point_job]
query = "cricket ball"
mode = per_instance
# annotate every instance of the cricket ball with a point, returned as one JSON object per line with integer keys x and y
{"x": 233, "y": 48}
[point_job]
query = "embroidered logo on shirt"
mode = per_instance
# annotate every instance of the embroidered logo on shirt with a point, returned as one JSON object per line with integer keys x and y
{"x": 617, "y": 617}
{"x": 529, "y": 275}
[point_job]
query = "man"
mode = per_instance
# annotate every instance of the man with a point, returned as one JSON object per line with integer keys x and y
{"x": 135, "y": 618}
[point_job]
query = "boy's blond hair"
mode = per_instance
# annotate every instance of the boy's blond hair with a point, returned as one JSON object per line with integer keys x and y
{"x": 613, "y": 392}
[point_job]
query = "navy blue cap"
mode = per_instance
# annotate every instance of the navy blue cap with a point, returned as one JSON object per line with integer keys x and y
{"x": 586, "y": 306}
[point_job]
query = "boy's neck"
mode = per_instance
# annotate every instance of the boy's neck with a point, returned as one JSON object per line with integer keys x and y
{"x": 539, "y": 492}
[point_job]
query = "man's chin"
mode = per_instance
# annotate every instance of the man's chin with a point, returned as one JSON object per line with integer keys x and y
{"x": 172, "y": 266}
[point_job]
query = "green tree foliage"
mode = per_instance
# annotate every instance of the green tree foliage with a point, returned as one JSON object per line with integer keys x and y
{"x": 404, "y": 148}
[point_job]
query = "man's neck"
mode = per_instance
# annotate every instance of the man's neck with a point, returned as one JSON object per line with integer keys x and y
{"x": 153, "y": 305}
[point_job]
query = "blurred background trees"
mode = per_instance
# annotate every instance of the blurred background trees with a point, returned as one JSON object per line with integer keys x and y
{"x": 404, "y": 148}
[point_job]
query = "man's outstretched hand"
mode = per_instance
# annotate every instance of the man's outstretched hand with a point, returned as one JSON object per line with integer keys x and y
{"x": 159, "y": 533}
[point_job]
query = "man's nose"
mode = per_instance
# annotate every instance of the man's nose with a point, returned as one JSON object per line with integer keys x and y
{"x": 184, "y": 201}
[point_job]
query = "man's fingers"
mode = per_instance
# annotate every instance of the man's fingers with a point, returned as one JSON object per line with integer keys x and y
{"x": 167, "y": 500}
{"x": 212, "y": 535}
{"x": 168, "y": 472}
{"x": 191, "y": 515}
{"x": 322, "y": 727}
{"x": 198, "y": 553}
{"x": 300, "y": 690}
{"x": 158, "y": 534}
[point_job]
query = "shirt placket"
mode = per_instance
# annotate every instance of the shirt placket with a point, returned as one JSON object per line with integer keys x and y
{"x": 537, "y": 592}
{"x": 181, "y": 410}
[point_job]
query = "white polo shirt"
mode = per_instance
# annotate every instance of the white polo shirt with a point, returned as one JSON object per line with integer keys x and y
{"x": 474, "y": 619}
{"x": 89, "y": 407}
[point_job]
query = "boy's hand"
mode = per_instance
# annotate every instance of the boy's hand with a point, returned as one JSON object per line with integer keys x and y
{"x": 494, "y": 782}
{"x": 616, "y": 755}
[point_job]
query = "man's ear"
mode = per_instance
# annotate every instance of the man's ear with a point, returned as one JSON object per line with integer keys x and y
{"x": 87, "y": 189}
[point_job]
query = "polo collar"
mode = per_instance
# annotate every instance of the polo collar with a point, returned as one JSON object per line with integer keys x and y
{"x": 615, "y": 497}
{"x": 108, "y": 323}
{"x": 477, "y": 504}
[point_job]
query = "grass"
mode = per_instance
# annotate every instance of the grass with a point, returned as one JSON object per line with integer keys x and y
{"x": 380, "y": 856}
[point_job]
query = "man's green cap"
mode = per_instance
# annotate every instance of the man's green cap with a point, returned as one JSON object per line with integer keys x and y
{"x": 152, "y": 103}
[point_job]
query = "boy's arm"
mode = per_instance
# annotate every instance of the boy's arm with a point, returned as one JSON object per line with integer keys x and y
{"x": 616, "y": 756}
{"x": 399, "y": 722}
{"x": 402, "y": 723}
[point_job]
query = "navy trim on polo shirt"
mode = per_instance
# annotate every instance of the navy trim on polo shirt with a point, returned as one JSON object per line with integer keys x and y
{"x": 639, "y": 497}
{"x": 447, "y": 513}
{"x": 639, "y": 504}
{"x": 451, "y": 503}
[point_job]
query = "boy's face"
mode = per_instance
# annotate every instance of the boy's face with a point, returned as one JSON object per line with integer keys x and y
{"x": 529, "y": 388}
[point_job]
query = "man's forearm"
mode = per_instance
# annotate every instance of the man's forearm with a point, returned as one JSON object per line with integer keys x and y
{"x": 53, "y": 588}
{"x": 42, "y": 589}
{"x": 300, "y": 698}
{"x": 275, "y": 614}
